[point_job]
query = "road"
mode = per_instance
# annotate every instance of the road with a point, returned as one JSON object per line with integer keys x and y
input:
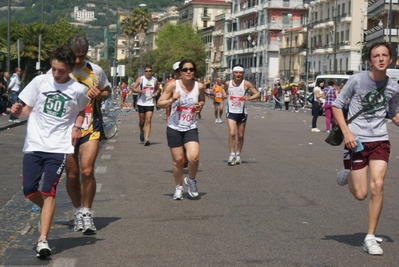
{"x": 281, "y": 207}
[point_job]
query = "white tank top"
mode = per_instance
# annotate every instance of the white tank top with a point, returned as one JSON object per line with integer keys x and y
{"x": 235, "y": 99}
{"x": 147, "y": 90}
{"x": 182, "y": 115}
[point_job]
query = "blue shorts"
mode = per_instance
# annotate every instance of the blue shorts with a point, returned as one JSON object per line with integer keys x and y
{"x": 239, "y": 118}
{"x": 37, "y": 163}
{"x": 176, "y": 138}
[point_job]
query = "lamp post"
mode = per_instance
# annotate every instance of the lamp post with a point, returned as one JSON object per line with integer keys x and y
{"x": 308, "y": 24}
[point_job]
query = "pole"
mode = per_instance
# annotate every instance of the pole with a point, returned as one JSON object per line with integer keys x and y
{"x": 335, "y": 37}
{"x": 42, "y": 11}
{"x": 390, "y": 32}
{"x": 8, "y": 34}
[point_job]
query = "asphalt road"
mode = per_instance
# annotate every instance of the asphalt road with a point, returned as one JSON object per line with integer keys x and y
{"x": 281, "y": 207}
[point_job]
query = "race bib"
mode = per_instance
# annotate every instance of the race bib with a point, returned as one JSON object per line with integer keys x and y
{"x": 236, "y": 101}
{"x": 185, "y": 116}
{"x": 149, "y": 90}
{"x": 54, "y": 105}
{"x": 88, "y": 117}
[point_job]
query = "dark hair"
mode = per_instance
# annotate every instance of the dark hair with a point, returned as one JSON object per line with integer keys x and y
{"x": 187, "y": 61}
{"x": 148, "y": 67}
{"x": 238, "y": 65}
{"x": 78, "y": 43}
{"x": 64, "y": 54}
{"x": 331, "y": 82}
{"x": 377, "y": 44}
{"x": 319, "y": 82}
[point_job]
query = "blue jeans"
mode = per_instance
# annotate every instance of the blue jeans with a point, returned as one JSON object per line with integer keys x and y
{"x": 13, "y": 99}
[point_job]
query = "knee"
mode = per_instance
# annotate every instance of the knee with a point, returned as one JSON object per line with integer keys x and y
{"x": 87, "y": 172}
{"x": 232, "y": 135}
{"x": 360, "y": 196}
{"x": 193, "y": 158}
{"x": 178, "y": 162}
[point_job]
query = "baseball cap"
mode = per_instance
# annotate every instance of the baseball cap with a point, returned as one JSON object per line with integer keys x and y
{"x": 176, "y": 65}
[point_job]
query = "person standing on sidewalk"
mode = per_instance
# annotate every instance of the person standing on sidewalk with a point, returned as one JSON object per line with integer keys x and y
{"x": 148, "y": 89}
{"x": 371, "y": 130}
{"x": 329, "y": 95}
{"x": 80, "y": 165}
{"x": 317, "y": 104}
{"x": 55, "y": 106}
{"x": 14, "y": 87}
{"x": 218, "y": 96}
{"x": 238, "y": 93}
{"x": 186, "y": 98}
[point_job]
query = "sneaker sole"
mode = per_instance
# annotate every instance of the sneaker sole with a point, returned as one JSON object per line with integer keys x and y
{"x": 44, "y": 253}
{"x": 375, "y": 254}
{"x": 89, "y": 232}
{"x": 231, "y": 163}
{"x": 147, "y": 143}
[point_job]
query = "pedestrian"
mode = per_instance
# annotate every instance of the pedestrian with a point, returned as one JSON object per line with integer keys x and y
{"x": 370, "y": 129}
{"x": 3, "y": 94}
{"x": 276, "y": 98}
{"x": 329, "y": 95}
{"x": 295, "y": 97}
{"x": 55, "y": 107}
{"x": 124, "y": 90}
{"x": 81, "y": 183}
{"x": 287, "y": 98}
{"x": 14, "y": 87}
{"x": 317, "y": 104}
{"x": 218, "y": 96}
{"x": 147, "y": 88}
{"x": 238, "y": 93}
{"x": 186, "y": 98}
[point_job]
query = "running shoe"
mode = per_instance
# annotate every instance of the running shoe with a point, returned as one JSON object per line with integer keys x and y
{"x": 146, "y": 143}
{"x": 42, "y": 249}
{"x": 315, "y": 130}
{"x": 231, "y": 160}
{"x": 88, "y": 224}
{"x": 178, "y": 193}
{"x": 17, "y": 121}
{"x": 78, "y": 223}
{"x": 372, "y": 247}
{"x": 217, "y": 121}
{"x": 238, "y": 160}
{"x": 191, "y": 187}
{"x": 142, "y": 136}
{"x": 220, "y": 120}
{"x": 341, "y": 177}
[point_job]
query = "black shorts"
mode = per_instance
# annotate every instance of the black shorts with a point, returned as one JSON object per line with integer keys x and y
{"x": 145, "y": 109}
{"x": 37, "y": 163}
{"x": 239, "y": 118}
{"x": 176, "y": 138}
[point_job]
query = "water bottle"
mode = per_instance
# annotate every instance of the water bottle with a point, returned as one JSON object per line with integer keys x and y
{"x": 35, "y": 208}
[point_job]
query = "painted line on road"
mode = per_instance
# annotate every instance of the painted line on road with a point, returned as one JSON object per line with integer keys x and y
{"x": 65, "y": 262}
{"x": 101, "y": 169}
{"x": 99, "y": 187}
{"x": 109, "y": 147}
{"x": 106, "y": 157}
{"x": 112, "y": 141}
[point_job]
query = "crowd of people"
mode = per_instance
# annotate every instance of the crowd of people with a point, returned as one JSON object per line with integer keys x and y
{"x": 68, "y": 98}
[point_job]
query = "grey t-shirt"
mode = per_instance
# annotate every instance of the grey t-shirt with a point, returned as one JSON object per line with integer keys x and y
{"x": 360, "y": 90}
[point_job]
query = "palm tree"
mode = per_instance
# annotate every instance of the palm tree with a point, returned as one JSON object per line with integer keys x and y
{"x": 127, "y": 28}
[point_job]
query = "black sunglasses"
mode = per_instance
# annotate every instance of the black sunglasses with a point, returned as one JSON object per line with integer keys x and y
{"x": 148, "y": 71}
{"x": 188, "y": 69}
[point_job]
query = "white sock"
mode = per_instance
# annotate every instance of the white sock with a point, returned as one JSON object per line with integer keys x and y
{"x": 233, "y": 154}
{"x": 237, "y": 154}
{"x": 86, "y": 210}
{"x": 369, "y": 237}
{"x": 76, "y": 210}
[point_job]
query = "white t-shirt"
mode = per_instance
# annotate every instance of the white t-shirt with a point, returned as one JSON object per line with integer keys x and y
{"x": 55, "y": 108}
{"x": 147, "y": 90}
{"x": 315, "y": 94}
{"x": 235, "y": 99}
{"x": 182, "y": 113}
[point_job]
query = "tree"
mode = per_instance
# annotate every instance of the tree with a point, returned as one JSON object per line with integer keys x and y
{"x": 178, "y": 42}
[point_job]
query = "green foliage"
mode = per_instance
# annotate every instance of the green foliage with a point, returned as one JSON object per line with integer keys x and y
{"x": 178, "y": 42}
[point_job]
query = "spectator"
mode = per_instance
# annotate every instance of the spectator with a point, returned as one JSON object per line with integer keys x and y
{"x": 317, "y": 104}
{"x": 329, "y": 94}
{"x": 14, "y": 87}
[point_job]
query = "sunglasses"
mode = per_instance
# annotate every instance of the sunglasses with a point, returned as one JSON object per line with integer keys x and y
{"x": 148, "y": 71}
{"x": 188, "y": 69}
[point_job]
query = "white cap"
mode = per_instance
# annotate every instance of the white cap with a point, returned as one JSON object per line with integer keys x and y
{"x": 176, "y": 65}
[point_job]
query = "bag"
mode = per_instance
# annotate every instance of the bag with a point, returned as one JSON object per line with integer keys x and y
{"x": 311, "y": 98}
{"x": 335, "y": 137}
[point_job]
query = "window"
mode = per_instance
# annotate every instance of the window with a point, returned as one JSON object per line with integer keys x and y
{"x": 205, "y": 23}
{"x": 205, "y": 12}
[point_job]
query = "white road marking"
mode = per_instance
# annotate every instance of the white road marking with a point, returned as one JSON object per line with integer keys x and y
{"x": 101, "y": 169}
{"x": 109, "y": 147}
{"x": 64, "y": 262}
{"x": 99, "y": 187}
{"x": 106, "y": 157}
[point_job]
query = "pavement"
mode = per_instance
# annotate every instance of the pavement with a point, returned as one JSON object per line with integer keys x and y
{"x": 280, "y": 207}
{"x": 6, "y": 124}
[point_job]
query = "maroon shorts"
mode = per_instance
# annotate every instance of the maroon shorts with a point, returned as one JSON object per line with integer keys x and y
{"x": 379, "y": 150}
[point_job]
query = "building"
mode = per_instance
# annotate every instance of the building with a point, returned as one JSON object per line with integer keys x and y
{"x": 83, "y": 15}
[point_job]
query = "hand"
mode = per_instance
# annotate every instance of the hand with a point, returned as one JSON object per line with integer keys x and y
{"x": 198, "y": 107}
{"x": 349, "y": 139}
{"x": 16, "y": 109}
{"x": 176, "y": 96}
{"x": 94, "y": 93}
{"x": 76, "y": 135}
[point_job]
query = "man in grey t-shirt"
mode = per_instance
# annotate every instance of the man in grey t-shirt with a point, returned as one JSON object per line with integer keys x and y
{"x": 367, "y": 146}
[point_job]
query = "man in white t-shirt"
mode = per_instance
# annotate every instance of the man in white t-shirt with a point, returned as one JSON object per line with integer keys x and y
{"x": 147, "y": 87}
{"x": 55, "y": 106}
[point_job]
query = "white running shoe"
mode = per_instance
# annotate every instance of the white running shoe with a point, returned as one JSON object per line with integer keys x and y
{"x": 341, "y": 177}
{"x": 42, "y": 249}
{"x": 178, "y": 193}
{"x": 231, "y": 160}
{"x": 88, "y": 224}
{"x": 238, "y": 160}
{"x": 220, "y": 120}
{"x": 372, "y": 247}
{"x": 191, "y": 187}
{"x": 315, "y": 130}
{"x": 78, "y": 222}
{"x": 216, "y": 120}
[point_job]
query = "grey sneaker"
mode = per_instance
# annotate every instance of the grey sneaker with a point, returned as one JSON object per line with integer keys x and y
{"x": 178, "y": 193}
{"x": 142, "y": 136}
{"x": 42, "y": 249}
{"x": 341, "y": 177}
{"x": 88, "y": 224}
{"x": 232, "y": 160}
{"x": 372, "y": 247}
{"x": 78, "y": 222}
{"x": 191, "y": 187}
{"x": 237, "y": 160}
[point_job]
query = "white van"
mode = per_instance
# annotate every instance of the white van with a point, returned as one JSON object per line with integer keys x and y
{"x": 393, "y": 74}
{"x": 337, "y": 77}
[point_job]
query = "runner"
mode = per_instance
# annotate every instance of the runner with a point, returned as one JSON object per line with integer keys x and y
{"x": 219, "y": 95}
{"x": 186, "y": 98}
{"x": 238, "y": 91}
{"x": 147, "y": 87}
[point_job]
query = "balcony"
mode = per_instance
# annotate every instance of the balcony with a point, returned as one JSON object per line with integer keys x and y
{"x": 282, "y": 4}
{"x": 381, "y": 4}
{"x": 205, "y": 16}
{"x": 345, "y": 18}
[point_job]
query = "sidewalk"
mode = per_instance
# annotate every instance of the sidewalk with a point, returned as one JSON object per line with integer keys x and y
{"x": 5, "y": 124}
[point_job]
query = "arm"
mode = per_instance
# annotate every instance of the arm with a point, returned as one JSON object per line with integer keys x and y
{"x": 349, "y": 137}
{"x": 168, "y": 96}
{"x": 156, "y": 89}
{"x": 135, "y": 86}
{"x": 250, "y": 87}
{"x": 201, "y": 98}
{"x": 77, "y": 127}
{"x": 20, "y": 111}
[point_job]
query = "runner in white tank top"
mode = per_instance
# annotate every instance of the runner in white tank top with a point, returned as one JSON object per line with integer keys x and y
{"x": 235, "y": 100}
{"x": 186, "y": 98}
